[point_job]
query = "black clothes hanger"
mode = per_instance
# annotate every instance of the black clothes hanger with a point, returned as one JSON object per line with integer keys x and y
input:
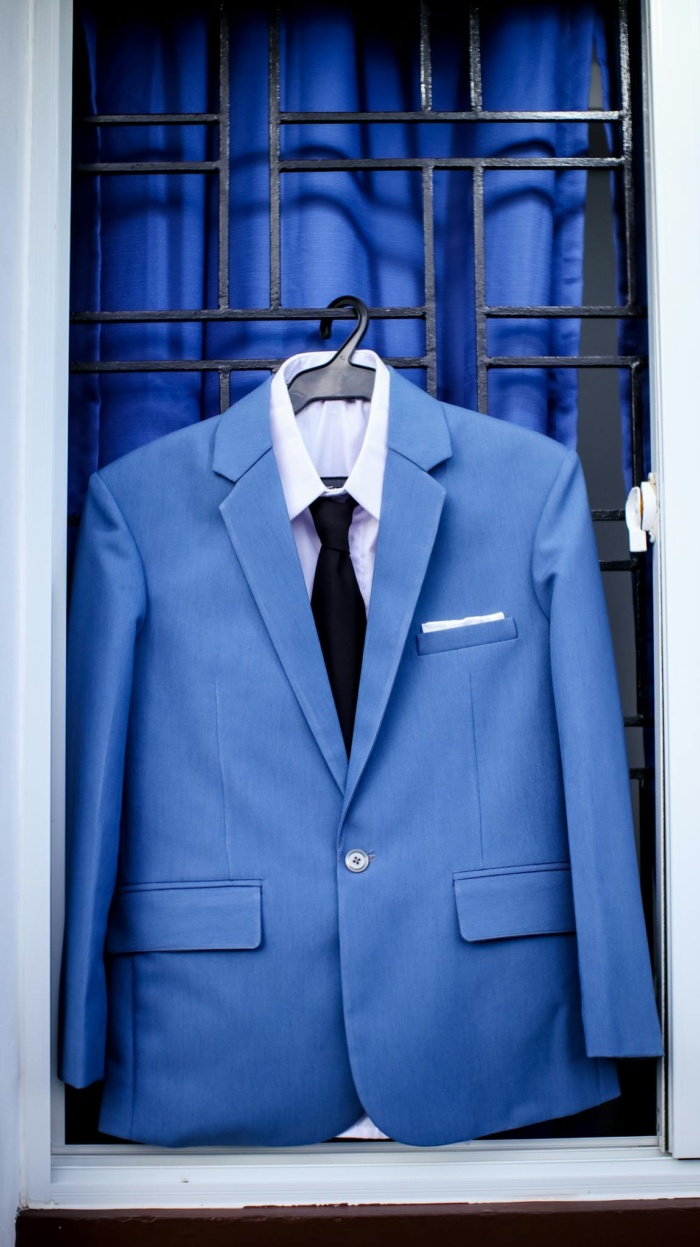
{"x": 339, "y": 378}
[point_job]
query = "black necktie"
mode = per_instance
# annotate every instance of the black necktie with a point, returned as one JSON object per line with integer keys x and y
{"x": 338, "y": 607}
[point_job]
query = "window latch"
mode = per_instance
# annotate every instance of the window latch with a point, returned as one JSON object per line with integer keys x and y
{"x": 642, "y": 514}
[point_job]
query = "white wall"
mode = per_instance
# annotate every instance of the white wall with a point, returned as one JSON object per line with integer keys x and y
{"x": 13, "y": 148}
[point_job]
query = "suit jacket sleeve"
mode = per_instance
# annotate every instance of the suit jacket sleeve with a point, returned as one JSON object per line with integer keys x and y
{"x": 107, "y": 609}
{"x": 619, "y": 1010}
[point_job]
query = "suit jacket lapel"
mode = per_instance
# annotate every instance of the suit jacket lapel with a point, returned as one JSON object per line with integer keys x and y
{"x": 257, "y": 522}
{"x": 412, "y": 503}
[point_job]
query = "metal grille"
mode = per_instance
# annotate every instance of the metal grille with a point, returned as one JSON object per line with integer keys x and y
{"x": 427, "y": 311}
{"x": 620, "y": 119}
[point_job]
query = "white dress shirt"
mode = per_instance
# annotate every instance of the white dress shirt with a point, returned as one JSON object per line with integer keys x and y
{"x": 341, "y": 438}
{"x": 332, "y": 437}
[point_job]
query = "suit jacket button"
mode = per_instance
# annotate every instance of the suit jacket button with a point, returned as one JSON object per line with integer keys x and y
{"x": 357, "y": 860}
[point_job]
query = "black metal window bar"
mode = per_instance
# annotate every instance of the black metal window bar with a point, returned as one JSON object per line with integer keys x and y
{"x": 279, "y": 166}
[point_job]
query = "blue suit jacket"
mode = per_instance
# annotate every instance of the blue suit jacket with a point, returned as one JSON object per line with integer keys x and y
{"x": 224, "y": 971}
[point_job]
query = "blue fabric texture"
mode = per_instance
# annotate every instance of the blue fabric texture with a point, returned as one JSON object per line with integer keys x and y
{"x": 150, "y": 242}
{"x": 491, "y": 962}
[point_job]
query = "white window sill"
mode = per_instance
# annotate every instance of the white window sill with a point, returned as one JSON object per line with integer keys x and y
{"x": 342, "y": 1173}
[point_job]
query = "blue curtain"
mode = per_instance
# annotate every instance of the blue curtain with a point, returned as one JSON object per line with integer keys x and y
{"x": 150, "y": 242}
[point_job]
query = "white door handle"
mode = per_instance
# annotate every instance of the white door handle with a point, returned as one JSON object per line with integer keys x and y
{"x": 642, "y": 514}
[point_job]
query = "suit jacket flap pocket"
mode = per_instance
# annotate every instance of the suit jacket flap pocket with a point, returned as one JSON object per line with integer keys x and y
{"x": 517, "y": 900}
{"x": 466, "y": 635}
{"x": 185, "y": 916}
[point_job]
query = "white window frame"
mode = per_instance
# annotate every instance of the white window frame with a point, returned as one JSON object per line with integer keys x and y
{"x": 124, "y": 1176}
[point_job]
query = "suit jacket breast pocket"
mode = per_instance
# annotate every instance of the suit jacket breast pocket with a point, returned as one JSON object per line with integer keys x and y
{"x": 467, "y": 636}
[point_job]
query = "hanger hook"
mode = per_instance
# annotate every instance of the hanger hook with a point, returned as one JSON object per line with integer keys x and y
{"x": 353, "y": 341}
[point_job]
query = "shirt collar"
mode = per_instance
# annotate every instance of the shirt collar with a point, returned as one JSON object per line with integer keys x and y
{"x": 301, "y": 482}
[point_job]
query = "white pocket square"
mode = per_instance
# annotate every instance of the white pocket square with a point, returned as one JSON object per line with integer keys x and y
{"x": 436, "y": 625}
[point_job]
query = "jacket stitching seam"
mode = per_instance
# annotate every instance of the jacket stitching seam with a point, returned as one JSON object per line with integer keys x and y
{"x": 227, "y": 827}
{"x": 133, "y": 542}
{"x": 476, "y": 769}
{"x": 568, "y": 458}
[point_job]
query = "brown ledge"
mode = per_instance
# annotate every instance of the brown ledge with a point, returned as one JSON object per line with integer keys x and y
{"x": 639, "y": 1223}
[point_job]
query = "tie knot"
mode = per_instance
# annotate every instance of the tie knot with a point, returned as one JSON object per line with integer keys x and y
{"x": 332, "y": 518}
